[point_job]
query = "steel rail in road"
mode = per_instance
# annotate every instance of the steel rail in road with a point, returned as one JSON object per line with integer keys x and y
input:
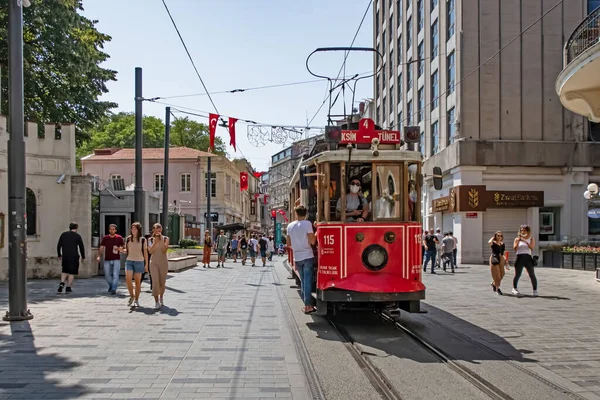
{"x": 377, "y": 378}
{"x": 471, "y": 376}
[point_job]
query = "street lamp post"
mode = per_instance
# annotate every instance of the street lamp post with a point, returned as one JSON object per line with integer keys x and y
{"x": 17, "y": 219}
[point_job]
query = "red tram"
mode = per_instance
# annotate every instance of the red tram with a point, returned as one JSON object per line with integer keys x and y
{"x": 375, "y": 263}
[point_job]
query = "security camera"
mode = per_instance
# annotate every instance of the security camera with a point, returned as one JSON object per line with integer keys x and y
{"x": 61, "y": 179}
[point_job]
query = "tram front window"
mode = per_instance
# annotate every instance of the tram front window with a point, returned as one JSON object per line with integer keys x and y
{"x": 357, "y": 206}
{"x": 387, "y": 192}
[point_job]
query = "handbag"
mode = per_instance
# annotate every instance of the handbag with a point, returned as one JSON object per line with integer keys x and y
{"x": 495, "y": 259}
{"x": 535, "y": 260}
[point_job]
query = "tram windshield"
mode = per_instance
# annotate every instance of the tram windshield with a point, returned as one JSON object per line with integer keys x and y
{"x": 360, "y": 192}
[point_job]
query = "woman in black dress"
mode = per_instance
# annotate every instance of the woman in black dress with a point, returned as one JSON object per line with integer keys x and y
{"x": 497, "y": 260}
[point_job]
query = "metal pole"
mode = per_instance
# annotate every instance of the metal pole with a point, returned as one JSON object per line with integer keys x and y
{"x": 139, "y": 143}
{"x": 208, "y": 194}
{"x": 17, "y": 219}
{"x": 165, "y": 207}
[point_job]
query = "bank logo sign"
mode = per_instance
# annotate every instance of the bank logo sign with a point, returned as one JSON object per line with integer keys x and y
{"x": 594, "y": 213}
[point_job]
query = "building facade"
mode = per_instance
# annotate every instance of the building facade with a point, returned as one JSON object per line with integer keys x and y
{"x": 488, "y": 114}
{"x": 251, "y": 204}
{"x": 283, "y": 165}
{"x": 52, "y": 185}
{"x": 188, "y": 180}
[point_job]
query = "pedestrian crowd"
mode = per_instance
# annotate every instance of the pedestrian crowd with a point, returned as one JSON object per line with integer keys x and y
{"x": 147, "y": 254}
{"x": 441, "y": 250}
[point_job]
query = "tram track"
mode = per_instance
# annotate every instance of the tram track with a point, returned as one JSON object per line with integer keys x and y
{"x": 466, "y": 373}
{"x": 377, "y": 378}
{"x": 386, "y": 388}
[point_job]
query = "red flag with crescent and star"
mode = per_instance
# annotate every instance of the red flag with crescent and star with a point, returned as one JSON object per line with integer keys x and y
{"x": 212, "y": 129}
{"x": 265, "y": 198}
{"x": 243, "y": 181}
{"x": 232, "y": 122}
{"x": 258, "y": 174}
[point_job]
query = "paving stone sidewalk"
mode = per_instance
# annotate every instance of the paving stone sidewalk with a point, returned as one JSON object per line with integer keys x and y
{"x": 557, "y": 335}
{"x": 223, "y": 334}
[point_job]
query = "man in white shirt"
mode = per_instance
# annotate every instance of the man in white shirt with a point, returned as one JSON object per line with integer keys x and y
{"x": 300, "y": 237}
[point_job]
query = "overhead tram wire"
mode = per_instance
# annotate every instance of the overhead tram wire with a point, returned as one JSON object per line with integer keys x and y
{"x": 347, "y": 53}
{"x": 480, "y": 65}
{"x": 196, "y": 69}
{"x": 233, "y": 91}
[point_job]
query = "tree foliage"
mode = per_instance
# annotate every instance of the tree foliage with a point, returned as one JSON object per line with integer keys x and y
{"x": 118, "y": 131}
{"x": 62, "y": 56}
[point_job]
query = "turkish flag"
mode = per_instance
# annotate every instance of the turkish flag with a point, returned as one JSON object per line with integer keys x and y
{"x": 256, "y": 196}
{"x": 258, "y": 174}
{"x": 232, "y": 122}
{"x": 265, "y": 199}
{"x": 243, "y": 181}
{"x": 212, "y": 129}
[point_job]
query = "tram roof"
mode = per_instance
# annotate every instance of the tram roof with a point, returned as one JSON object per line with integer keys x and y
{"x": 359, "y": 155}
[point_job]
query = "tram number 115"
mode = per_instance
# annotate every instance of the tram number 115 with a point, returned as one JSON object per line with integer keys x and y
{"x": 329, "y": 240}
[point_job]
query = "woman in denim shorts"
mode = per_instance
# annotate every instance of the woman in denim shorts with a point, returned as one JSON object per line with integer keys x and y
{"x": 136, "y": 249}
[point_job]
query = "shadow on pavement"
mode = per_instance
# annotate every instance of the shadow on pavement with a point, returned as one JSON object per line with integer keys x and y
{"x": 23, "y": 370}
{"x": 529, "y": 296}
{"x": 382, "y": 339}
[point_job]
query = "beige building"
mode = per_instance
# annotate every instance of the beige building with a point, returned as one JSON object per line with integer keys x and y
{"x": 55, "y": 196}
{"x": 497, "y": 131}
{"x": 188, "y": 180}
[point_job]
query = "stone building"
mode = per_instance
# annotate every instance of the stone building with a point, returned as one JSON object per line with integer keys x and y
{"x": 488, "y": 113}
{"x": 188, "y": 180}
{"x": 56, "y": 195}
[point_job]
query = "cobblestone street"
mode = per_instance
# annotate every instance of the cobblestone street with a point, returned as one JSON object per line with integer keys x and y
{"x": 222, "y": 334}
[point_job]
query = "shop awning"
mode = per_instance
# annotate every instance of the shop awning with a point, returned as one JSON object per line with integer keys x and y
{"x": 238, "y": 226}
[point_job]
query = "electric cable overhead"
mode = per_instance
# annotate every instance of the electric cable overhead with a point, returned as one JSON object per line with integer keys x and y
{"x": 479, "y": 66}
{"x": 238, "y": 149}
{"x": 241, "y": 90}
{"x": 347, "y": 53}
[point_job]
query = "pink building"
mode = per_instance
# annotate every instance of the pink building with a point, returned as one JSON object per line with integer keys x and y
{"x": 187, "y": 179}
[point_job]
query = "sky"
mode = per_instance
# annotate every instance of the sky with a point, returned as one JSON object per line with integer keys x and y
{"x": 235, "y": 44}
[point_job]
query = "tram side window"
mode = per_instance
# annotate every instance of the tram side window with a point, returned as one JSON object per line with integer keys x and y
{"x": 413, "y": 190}
{"x": 388, "y": 189}
{"x": 312, "y": 197}
{"x": 335, "y": 190}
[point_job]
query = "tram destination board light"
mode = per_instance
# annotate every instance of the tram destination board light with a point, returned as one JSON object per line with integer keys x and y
{"x": 412, "y": 134}
{"x": 333, "y": 134}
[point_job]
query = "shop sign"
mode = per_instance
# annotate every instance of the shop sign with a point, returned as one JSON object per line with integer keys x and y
{"x": 516, "y": 199}
{"x": 471, "y": 215}
{"x": 594, "y": 213}
{"x": 442, "y": 204}
{"x": 470, "y": 198}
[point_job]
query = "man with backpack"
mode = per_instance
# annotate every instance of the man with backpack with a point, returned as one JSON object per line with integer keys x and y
{"x": 244, "y": 249}
{"x": 430, "y": 242}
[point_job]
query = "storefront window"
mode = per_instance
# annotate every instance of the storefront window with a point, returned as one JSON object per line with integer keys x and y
{"x": 549, "y": 224}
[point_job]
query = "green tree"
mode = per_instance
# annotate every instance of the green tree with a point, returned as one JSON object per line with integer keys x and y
{"x": 188, "y": 133}
{"x": 62, "y": 56}
{"x": 118, "y": 131}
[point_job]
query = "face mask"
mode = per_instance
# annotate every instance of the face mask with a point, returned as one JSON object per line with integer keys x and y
{"x": 354, "y": 189}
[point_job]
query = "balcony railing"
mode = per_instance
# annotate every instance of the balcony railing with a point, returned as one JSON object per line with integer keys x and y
{"x": 586, "y": 35}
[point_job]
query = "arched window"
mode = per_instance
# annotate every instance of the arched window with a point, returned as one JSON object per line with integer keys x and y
{"x": 31, "y": 210}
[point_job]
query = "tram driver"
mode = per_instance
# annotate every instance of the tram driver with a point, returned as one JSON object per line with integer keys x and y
{"x": 357, "y": 207}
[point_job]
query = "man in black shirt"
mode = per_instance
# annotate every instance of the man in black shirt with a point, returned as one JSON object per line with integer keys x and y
{"x": 430, "y": 242}
{"x": 67, "y": 248}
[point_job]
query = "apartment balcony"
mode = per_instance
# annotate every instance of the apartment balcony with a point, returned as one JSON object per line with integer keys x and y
{"x": 578, "y": 85}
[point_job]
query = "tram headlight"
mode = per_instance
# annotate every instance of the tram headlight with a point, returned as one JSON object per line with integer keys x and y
{"x": 375, "y": 257}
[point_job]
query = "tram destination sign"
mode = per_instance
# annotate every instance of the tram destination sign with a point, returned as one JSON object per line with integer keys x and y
{"x": 366, "y": 133}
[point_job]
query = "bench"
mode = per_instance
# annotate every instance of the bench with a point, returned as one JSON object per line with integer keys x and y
{"x": 177, "y": 264}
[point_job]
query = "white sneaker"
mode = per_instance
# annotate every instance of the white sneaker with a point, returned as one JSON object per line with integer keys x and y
{"x": 515, "y": 291}
{"x": 136, "y": 303}
{"x": 130, "y": 302}
{"x": 535, "y": 293}
{"x": 157, "y": 306}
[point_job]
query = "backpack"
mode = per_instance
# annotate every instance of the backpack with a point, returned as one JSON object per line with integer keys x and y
{"x": 244, "y": 244}
{"x": 262, "y": 243}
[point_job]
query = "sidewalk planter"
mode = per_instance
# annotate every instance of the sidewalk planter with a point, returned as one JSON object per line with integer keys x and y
{"x": 552, "y": 259}
{"x": 580, "y": 261}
